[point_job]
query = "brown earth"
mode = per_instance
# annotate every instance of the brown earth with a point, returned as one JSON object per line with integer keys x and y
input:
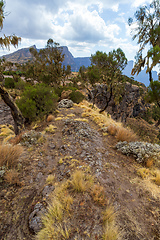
{"x": 138, "y": 211}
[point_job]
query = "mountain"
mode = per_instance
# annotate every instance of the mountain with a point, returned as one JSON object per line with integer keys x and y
{"x": 23, "y": 55}
{"x": 142, "y": 77}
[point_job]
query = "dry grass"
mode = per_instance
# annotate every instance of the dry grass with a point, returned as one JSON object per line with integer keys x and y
{"x": 124, "y": 134}
{"x": 157, "y": 178}
{"x": 50, "y": 179}
{"x": 149, "y": 162}
{"x": 78, "y": 182}
{"x": 143, "y": 172}
{"x": 17, "y": 139}
{"x": 9, "y": 155}
{"x": 112, "y": 129}
{"x": 51, "y": 128}
{"x": 50, "y": 118}
{"x": 7, "y": 133}
{"x": 111, "y": 231}
{"x": 109, "y": 214}
{"x": 12, "y": 177}
{"x": 98, "y": 194}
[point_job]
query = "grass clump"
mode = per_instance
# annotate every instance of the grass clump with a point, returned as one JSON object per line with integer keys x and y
{"x": 9, "y": 155}
{"x": 156, "y": 179}
{"x": 124, "y": 134}
{"x": 111, "y": 231}
{"x": 12, "y": 177}
{"x": 50, "y": 179}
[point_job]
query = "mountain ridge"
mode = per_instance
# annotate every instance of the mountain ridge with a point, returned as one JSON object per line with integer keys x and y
{"x": 23, "y": 55}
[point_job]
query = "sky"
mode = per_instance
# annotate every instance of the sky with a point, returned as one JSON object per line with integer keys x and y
{"x": 84, "y": 26}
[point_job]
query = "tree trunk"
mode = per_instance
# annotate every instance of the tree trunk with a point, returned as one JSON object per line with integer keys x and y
{"x": 150, "y": 76}
{"x": 111, "y": 93}
{"x": 16, "y": 113}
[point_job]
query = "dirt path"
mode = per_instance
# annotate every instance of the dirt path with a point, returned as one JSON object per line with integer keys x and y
{"x": 81, "y": 144}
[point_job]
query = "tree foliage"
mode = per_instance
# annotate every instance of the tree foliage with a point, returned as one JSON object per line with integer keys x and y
{"x": 46, "y": 65}
{"x": 146, "y": 29}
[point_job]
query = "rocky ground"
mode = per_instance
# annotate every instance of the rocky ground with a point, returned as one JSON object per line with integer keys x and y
{"x": 76, "y": 143}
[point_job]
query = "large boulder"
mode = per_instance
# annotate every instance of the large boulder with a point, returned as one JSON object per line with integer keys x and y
{"x": 130, "y": 105}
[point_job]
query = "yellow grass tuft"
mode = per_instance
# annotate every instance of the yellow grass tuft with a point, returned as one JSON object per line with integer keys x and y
{"x": 50, "y": 179}
{"x": 111, "y": 231}
{"x": 157, "y": 178}
{"x": 81, "y": 119}
{"x": 109, "y": 215}
{"x": 51, "y": 128}
{"x": 9, "y": 155}
{"x": 78, "y": 181}
{"x": 58, "y": 118}
{"x": 143, "y": 172}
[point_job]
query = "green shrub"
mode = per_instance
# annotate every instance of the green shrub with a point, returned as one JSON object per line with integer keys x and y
{"x": 20, "y": 84}
{"x": 37, "y": 101}
{"x": 9, "y": 82}
{"x": 76, "y": 96}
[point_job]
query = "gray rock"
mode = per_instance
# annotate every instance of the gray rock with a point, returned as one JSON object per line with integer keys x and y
{"x": 35, "y": 222}
{"x": 47, "y": 190}
{"x": 65, "y": 103}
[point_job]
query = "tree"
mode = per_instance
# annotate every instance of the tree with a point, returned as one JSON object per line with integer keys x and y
{"x": 6, "y": 41}
{"x": 110, "y": 68}
{"x": 46, "y": 65}
{"x": 153, "y": 95}
{"x": 147, "y": 30}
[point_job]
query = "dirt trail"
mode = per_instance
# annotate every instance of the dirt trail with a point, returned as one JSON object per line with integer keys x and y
{"x": 138, "y": 212}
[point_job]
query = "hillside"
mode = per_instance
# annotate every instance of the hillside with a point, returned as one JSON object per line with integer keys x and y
{"x": 23, "y": 55}
{"x": 122, "y": 198}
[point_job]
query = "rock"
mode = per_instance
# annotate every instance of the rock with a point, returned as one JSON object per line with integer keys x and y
{"x": 35, "y": 223}
{"x": 39, "y": 176}
{"x": 131, "y": 103}
{"x": 47, "y": 190}
{"x": 65, "y": 103}
{"x": 65, "y": 94}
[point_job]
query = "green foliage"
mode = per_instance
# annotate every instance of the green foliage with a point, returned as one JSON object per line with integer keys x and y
{"x": 76, "y": 96}
{"x": 147, "y": 31}
{"x": 154, "y": 92}
{"x": 21, "y": 84}
{"x": 9, "y": 82}
{"x": 156, "y": 113}
{"x": 46, "y": 65}
{"x": 37, "y": 101}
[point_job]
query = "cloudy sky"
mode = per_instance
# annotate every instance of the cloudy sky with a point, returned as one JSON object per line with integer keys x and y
{"x": 85, "y": 26}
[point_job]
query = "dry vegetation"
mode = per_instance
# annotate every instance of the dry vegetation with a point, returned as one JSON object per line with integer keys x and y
{"x": 9, "y": 155}
{"x": 59, "y": 222}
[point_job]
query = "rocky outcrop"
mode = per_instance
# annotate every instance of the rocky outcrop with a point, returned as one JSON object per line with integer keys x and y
{"x": 130, "y": 105}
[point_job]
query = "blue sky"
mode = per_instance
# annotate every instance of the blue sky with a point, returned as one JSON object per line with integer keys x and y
{"x": 83, "y": 26}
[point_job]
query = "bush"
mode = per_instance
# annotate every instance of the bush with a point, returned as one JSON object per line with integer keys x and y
{"x": 37, "y": 101}
{"x": 9, "y": 83}
{"x": 20, "y": 84}
{"x": 76, "y": 96}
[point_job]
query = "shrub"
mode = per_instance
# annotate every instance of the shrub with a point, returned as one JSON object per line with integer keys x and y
{"x": 20, "y": 84}
{"x": 76, "y": 96}
{"x": 37, "y": 101}
{"x": 9, "y": 83}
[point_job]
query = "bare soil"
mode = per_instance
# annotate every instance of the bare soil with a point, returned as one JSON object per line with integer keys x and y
{"x": 138, "y": 211}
